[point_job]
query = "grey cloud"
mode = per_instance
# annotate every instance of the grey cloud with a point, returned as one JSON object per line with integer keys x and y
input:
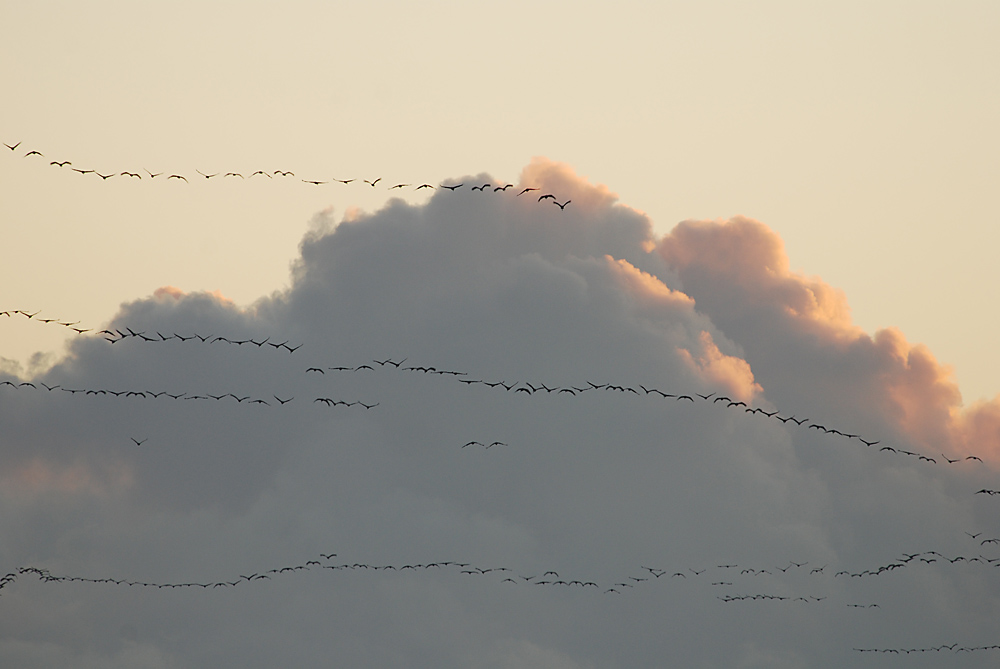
{"x": 604, "y": 486}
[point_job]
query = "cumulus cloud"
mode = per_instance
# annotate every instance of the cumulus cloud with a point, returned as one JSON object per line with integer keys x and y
{"x": 794, "y": 327}
{"x": 505, "y": 402}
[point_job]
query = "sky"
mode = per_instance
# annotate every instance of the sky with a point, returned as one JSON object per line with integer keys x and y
{"x": 780, "y": 204}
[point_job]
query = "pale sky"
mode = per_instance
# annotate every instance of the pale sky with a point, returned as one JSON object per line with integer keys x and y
{"x": 861, "y": 136}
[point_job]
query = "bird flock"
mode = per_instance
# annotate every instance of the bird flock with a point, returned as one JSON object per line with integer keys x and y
{"x": 144, "y": 174}
{"x": 526, "y": 388}
{"x": 731, "y": 584}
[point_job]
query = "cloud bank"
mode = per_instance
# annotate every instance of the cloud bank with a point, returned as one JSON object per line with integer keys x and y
{"x": 489, "y": 432}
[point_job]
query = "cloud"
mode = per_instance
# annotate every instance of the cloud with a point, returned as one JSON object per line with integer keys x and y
{"x": 795, "y": 328}
{"x": 522, "y": 368}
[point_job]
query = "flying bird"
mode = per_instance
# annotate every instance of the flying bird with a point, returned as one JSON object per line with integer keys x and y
{"x": 526, "y": 190}
{"x": 561, "y": 205}
{"x": 177, "y": 176}
{"x": 12, "y": 147}
{"x": 546, "y": 196}
{"x": 372, "y": 183}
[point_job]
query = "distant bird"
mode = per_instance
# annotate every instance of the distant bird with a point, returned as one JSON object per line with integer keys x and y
{"x": 234, "y": 174}
{"x": 137, "y": 442}
{"x": 561, "y": 205}
{"x": 281, "y": 401}
{"x": 452, "y": 188}
{"x": 502, "y": 189}
{"x": 104, "y": 176}
{"x": 284, "y": 174}
{"x": 62, "y": 164}
{"x": 177, "y": 176}
{"x": 423, "y": 186}
{"x": 33, "y": 153}
{"x": 207, "y": 176}
{"x": 315, "y": 183}
{"x": 950, "y": 461}
{"x": 151, "y": 175}
{"x": 12, "y": 147}
{"x": 546, "y": 196}
{"x": 399, "y": 186}
{"x": 261, "y": 172}
{"x": 526, "y": 190}
{"x": 130, "y": 174}
{"x": 372, "y": 183}
{"x": 82, "y": 171}
{"x": 480, "y": 188}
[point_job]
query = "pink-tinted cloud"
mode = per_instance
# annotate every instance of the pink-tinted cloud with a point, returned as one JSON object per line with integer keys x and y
{"x": 721, "y": 370}
{"x": 40, "y": 477}
{"x": 798, "y": 336}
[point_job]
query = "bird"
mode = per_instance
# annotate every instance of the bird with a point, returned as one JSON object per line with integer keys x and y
{"x": 177, "y": 176}
{"x": 62, "y": 164}
{"x": 480, "y": 188}
{"x": 104, "y": 176}
{"x": 372, "y": 183}
{"x": 151, "y": 175}
{"x": 546, "y": 196}
{"x": 526, "y": 190}
{"x": 81, "y": 171}
{"x": 502, "y": 189}
{"x": 234, "y": 174}
{"x": 452, "y": 188}
{"x": 130, "y": 174}
{"x": 207, "y": 176}
{"x": 399, "y": 186}
{"x": 423, "y": 186}
{"x": 284, "y": 173}
{"x": 12, "y": 147}
{"x": 315, "y": 183}
{"x": 137, "y": 442}
{"x": 33, "y": 153}
{"x": 261, "y": 172}
{"x": 950, "y": 461}
{"x": 561, "y": 205}
{"x": 281, "y": 401}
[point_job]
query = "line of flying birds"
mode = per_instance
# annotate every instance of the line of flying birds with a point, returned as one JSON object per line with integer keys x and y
{"x": 283, "y": 174}
{"x": 549, "y": 577}
{"x": 117, "y": 334}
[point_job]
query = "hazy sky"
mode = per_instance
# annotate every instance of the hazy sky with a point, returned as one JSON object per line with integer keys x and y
{"x": 778, "y": 203}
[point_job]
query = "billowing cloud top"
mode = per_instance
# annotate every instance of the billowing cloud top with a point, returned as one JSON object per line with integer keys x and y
{"x": 491, "y": 431}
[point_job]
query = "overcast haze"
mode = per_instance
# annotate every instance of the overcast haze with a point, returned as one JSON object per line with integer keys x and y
{"x": 785, "y": 210}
